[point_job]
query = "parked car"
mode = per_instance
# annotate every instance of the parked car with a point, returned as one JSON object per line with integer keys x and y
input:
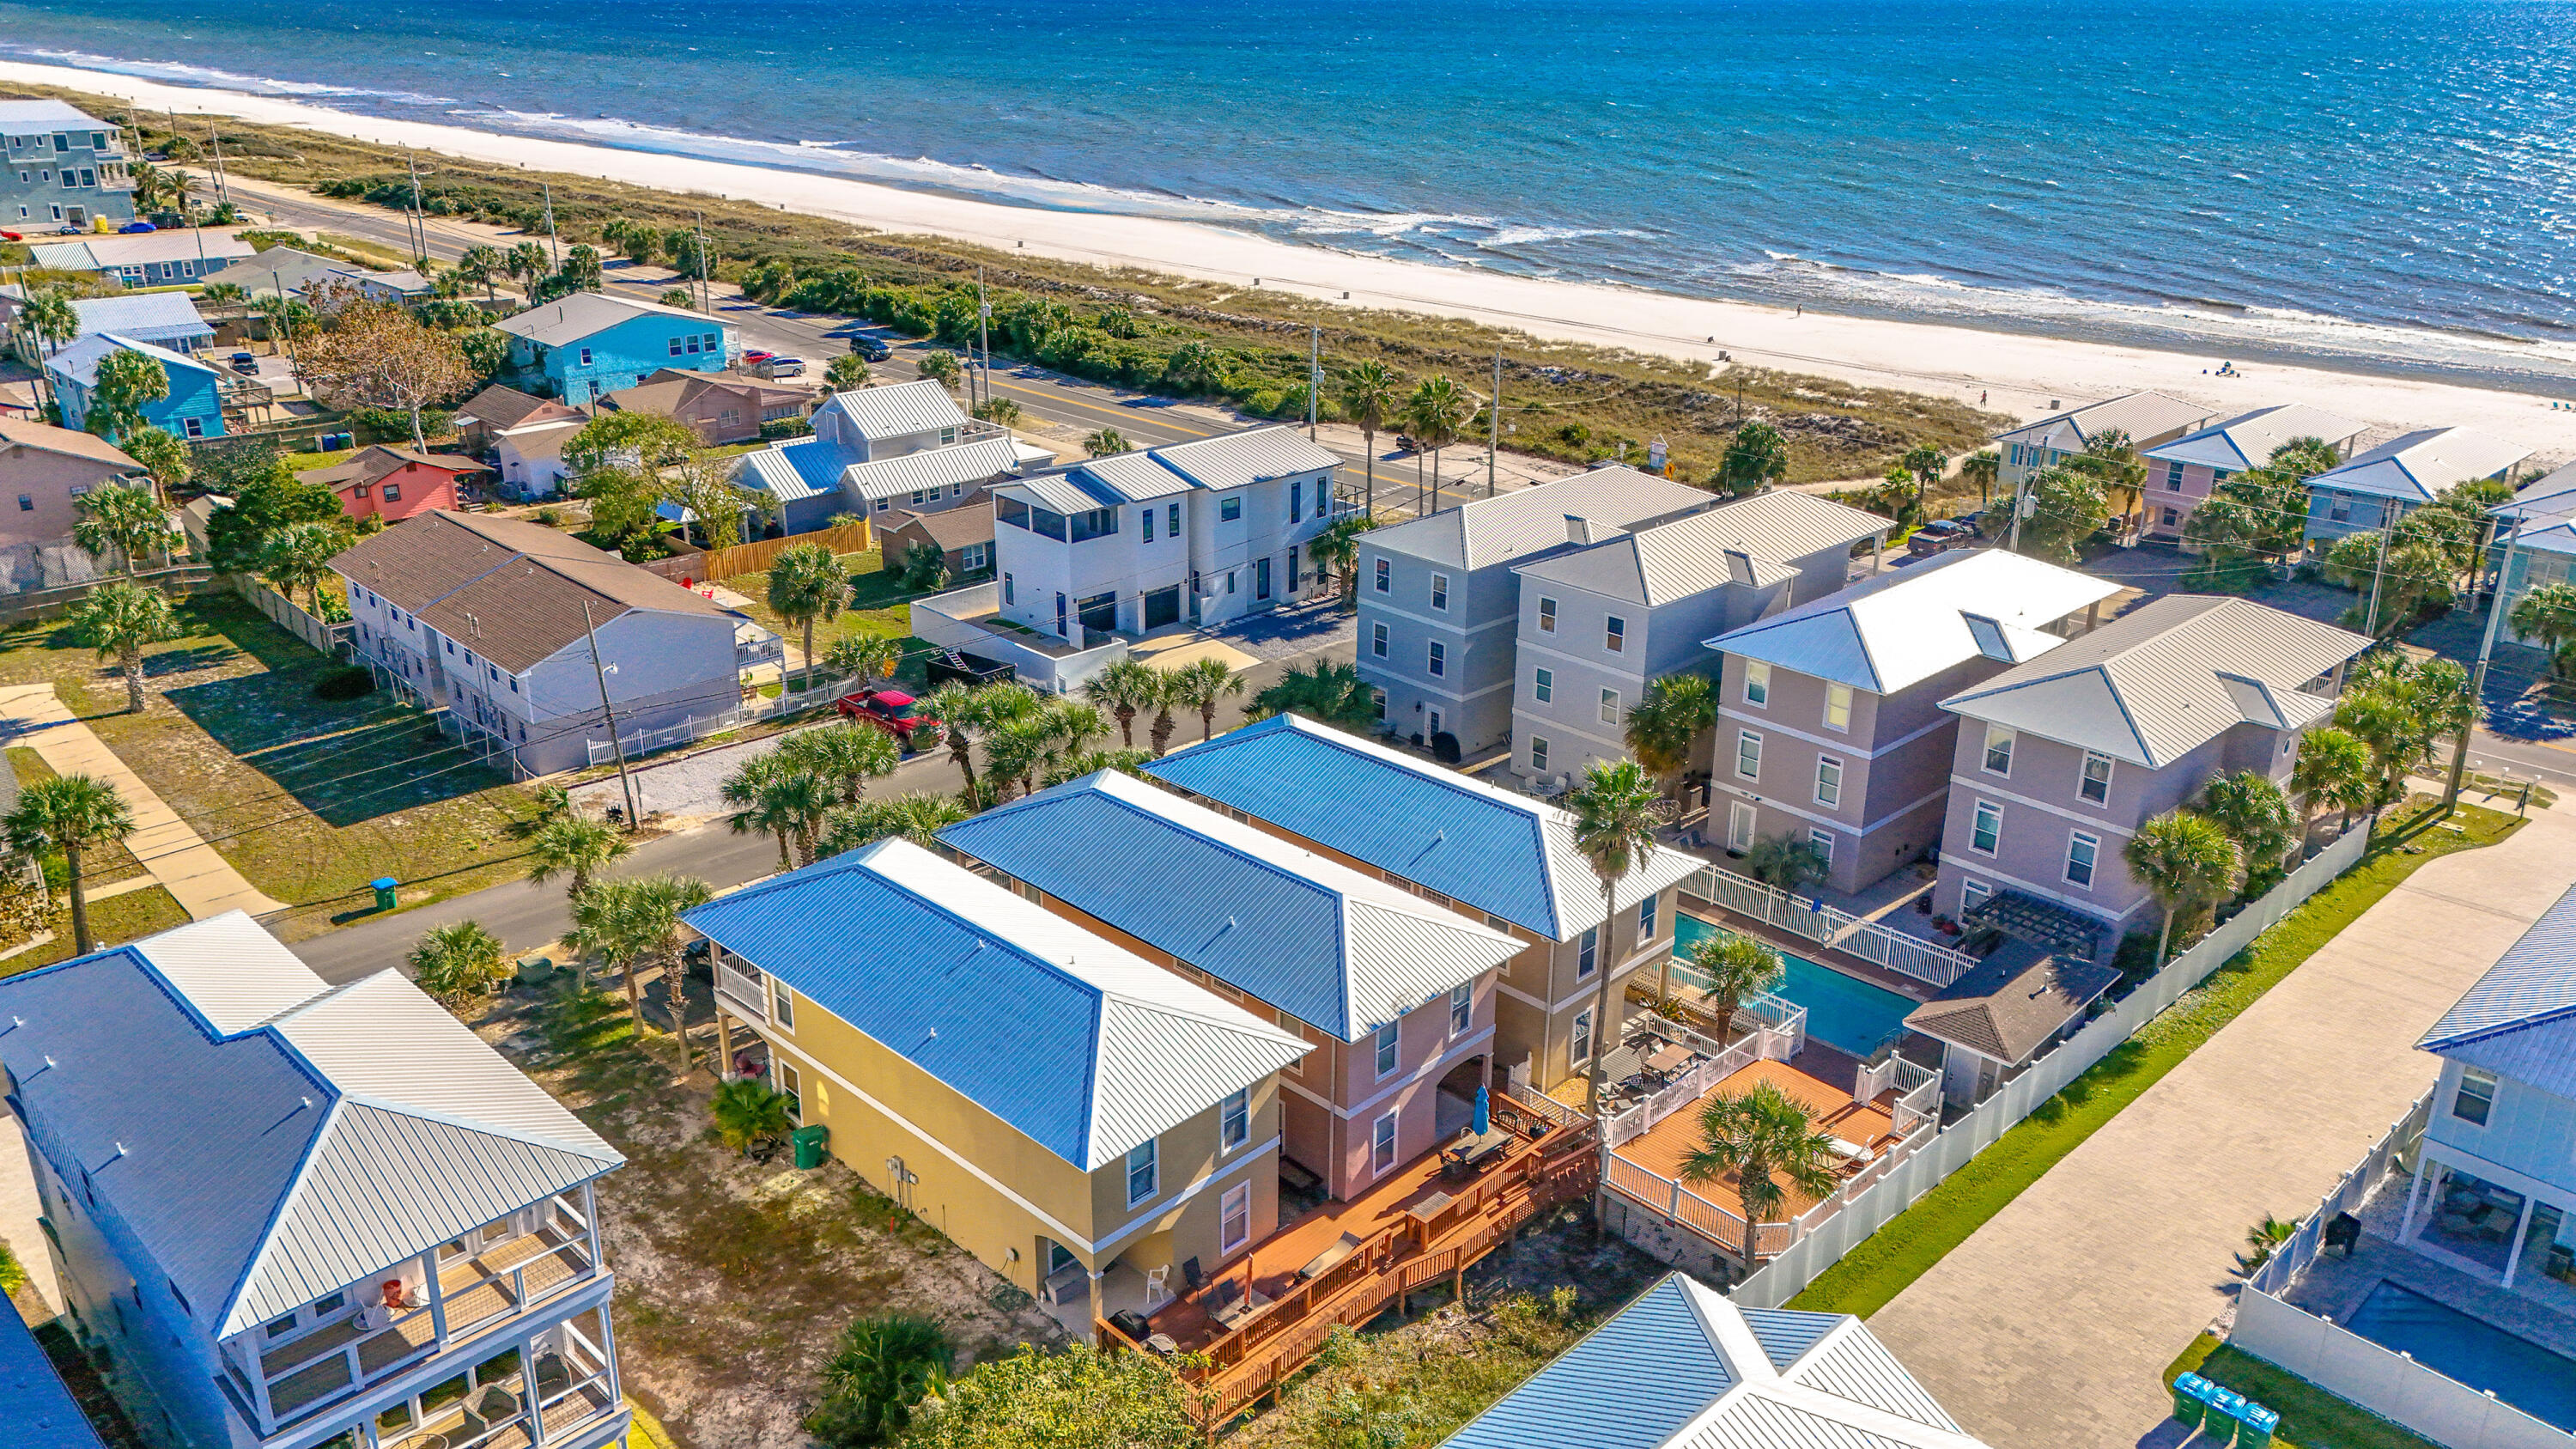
{"x": 244, "y": 363}
{"x": 871, "y": 349}
{"x": 893, "y": 711}
{"x": 11, "y": 236}
{"x": 1939, "y": 536}
{"x": 136, "y": 228}
{"x": 755, "y": 356}
{"x": 777, "y": 367}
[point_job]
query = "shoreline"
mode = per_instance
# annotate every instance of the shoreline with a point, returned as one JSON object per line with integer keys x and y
{"x": 2014, "y": 372}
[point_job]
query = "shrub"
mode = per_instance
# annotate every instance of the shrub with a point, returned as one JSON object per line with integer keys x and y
{"x": 550, "y": 517}
{"x": 344, "y": 684}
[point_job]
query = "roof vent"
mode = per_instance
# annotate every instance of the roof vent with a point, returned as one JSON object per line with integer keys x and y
{"x": 1739, "y": 566}
{"x": 1577, "y": 529}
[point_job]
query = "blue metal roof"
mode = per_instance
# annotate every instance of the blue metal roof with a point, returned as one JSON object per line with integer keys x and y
{"x": 810, "y": 468}
{"x": 36, "y": 1407}
{"x": 1785, "y": 1333}
{"x": 1632, "y": 1383}
{"x": 2533, "y": 982}
{"x": 1427, "y": 825}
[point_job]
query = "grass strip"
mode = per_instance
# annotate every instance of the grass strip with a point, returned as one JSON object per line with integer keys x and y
{"x": 2311, "y": 1418}
{"x": 1911, "y": 1242}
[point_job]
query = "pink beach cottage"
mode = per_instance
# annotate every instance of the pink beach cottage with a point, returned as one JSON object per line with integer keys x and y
{"x": 2181, "y": 473}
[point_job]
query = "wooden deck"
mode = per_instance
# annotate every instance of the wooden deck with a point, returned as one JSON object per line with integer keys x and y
{"x": 1829, "y": 1109}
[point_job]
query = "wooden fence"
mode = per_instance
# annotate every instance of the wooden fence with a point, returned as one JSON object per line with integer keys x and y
{"x": 290, "y": 616}
{"x": 752, "y": 558}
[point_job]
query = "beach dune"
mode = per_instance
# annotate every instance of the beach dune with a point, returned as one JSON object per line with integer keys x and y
{"x": 2008, "y": 372}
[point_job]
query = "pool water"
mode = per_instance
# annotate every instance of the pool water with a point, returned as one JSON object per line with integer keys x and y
{"x": 2522, "y": 1373}
{"x": 1843, "y": 1012}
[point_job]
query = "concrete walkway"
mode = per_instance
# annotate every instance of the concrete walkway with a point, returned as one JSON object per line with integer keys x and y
{"x": 2048, "y": 1328}
{"x": 204, "y": 883}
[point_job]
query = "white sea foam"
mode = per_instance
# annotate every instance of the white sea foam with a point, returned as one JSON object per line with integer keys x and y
{"x": 205, "y": 75}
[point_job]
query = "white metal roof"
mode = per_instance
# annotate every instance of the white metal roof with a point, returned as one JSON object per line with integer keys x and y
{"x": 2423, "y": 464}
{"x": 2168, "y": 677}
{"x": 894, "y": 411}
{"x": 975, "y": 462}
{"x": 583, "y": 314}
{"x": 1752, "y": 542}
{"x": 20, "y": 117}
{"x": 1058, "y": 493}
{"x": 2142, "y": 415}
{"x": 1895, "y": 630}
{"x": 2543, "y": 512}
{"x": 1254, "y": 455}
{"x": 2248, "y": 440}
{"x": 104, "y": 253}
{"x": 1133, "y": 477}
{"x": 1515, "y": 525}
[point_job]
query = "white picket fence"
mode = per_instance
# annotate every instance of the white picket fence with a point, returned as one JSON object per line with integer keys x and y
{"x": 697, "y": 727}
{"x": 1831, "y": 926}
{"x": 1930, "y": 1157}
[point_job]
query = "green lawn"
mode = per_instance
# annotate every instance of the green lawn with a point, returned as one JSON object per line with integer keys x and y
{"x": 105, "y": 863}
{"x": 113, "y": 921}
{"x": 308, "y": 799}
{"x": 2311, "y": 1418}
{"x": 880, "y": 608}
{"x": 1910, "y": 1243}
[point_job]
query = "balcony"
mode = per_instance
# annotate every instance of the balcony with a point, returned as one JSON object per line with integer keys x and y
{"x": 477, "y": 1291}
{"x": 743, "y": 985}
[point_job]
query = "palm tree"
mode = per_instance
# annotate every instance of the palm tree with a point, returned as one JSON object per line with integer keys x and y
{"x": 777, "y": 797}
{"x": 1981, "y": 468}
{"x": 1338, "y": 548}
{"x": 1200, "y": 685}
{"x": 577, "y": 847}
{"x": 1368, "y": 399}
{"x": 1784, "y": 862}
{"x": 1103, "y": 442}
{"x": 51, "y": 320}
{"x": 629, "y": 922}
{"x": 1325, "y": 692}
{"x": 1166, "y": 699}
{"x": 1617, "y": 811}
{"x": 458, "y": 962}
{"x": 1759, "y": 1138}
{"x": 2547, "y": 614}
{"x": 2185, "y": 859}
{"x": 1736, "y": 966}
{"x": 806, "y": 586}
{"x": 853, "y": 754}
{"x": 2254, "y": 813}
{"x": 887, "y": 1363}
{"x": 69, "y": 814}
{"x": 1927, "y": 463}
{"x": 1436, "y": 410}
{"x": 165, "y": 458}
{"x": 1667, "y": 721}
{"x": 120, "y": 620}
{"x": 1192, "y": 367}
{"x": 864, "y": 657}
{"x": 1757, "y": 457}
{"x": 2334, "y": 770}
{"x": 748, "y": 1112}
{"x": 121, "y": 521}
{"x": 480, "y": 265}
{"x": 299, "y": 556}
{"x": 917, "y": 817}
{"x": 1124, "y": 687}
{"x": 1096, "y": 762}
{"x": 526, "y": 264}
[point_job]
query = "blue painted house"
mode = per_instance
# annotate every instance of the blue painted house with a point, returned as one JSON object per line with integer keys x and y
{"x": 193, "y": 409}
{"x": 581, "y": 346}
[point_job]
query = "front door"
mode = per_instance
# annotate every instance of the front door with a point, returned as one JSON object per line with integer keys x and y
{"x": 1739, "y": 826}
{"x": 1261, "y": 577}
{"x": 1100, "y": 612}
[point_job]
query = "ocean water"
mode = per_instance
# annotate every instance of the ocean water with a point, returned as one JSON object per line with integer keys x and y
{"x": 2388, "y": 181}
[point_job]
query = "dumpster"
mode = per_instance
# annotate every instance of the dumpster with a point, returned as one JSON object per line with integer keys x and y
{"x": 810, "y": 1144}
{"x": 2254, "y": 1427}
{"x": 2191, "y": 1399}
{"x": 383, "y": 886}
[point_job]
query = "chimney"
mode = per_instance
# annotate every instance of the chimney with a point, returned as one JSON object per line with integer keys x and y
{"x": 1739, "y": 566}
{"x": 1577, "y": 529}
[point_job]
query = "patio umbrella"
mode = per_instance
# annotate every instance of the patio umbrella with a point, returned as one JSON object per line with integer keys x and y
{"x": 1484, "y": 1109}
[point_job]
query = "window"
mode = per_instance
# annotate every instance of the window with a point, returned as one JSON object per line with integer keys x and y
{"x": 585, "y": 356}
{"x": 692, "y": 341}
{"x": 2170, "y": 517}
{"x": 1578, "y": 1048}
{"x": 1547, "y": 616}
{"x": 1141, "y": 1173}
{"x": 2476, "y": 1097}
{"x": 26, "y": 503}
{"x": 1973, "y": 894}
{"x": 1377, "y": 640}
{"x": 1440, "y": 592}
{"x": 2173, "y": 477}
{"x": 279, "y": 1327}
{"x": 180, "y": 1298}
{"x": 1838, "y": 706}
{"x": 1999, "y": 748}
{"x": 1614, "y": 634}
{"x": 1829, "y": 781}
{"x": 1986, "y": 828}
{"x": 393, "y": 491}
{"x": 1228, "y": 510}
{"x": 2096, "y": 784}
{"x": 1377, "y": 699}
{"x": 1646, "y": 919}
{"x": 1462, "y": 1007}
{"x": 1385, "y": 576}
{"x": 782, "y": 1004}
{"x": 2338, "y": 508}
{"x": 1389, "y": 1038}
{"x": 1296, "y": 499}
{"x": 1543, "y": 685}
{"x": 1148, "y": 515}
{"x": 2081, "y": 852}
{"x": 1748, "y": 754}
{"x": 1821, "y": 841}
{"x": 1234, "y": 1217}
{"x": 1610, "y": 706}
{"x": 1234, "y": 1120}
{"x": 1757, "y": 682}
{"x": 1587, "y": 953}
{"x": 1172, "y": 521}
{"x": 715, "y": 342}
{"x": 973, "y": 557}
{"x": 1382, "y": 1144}
{"x": 791, "y": 1083}
{"x": 1439, "y": 659}
{"x": 1010, "y": 590}
{"x": 1538, "y": 754}
{"x": 196, "y": 428}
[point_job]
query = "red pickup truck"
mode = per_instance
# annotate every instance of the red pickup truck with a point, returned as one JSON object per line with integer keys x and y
{"x": 893, "y": 711}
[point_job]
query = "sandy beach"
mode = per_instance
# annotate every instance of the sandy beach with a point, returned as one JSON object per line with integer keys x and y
{"x": 2007, "y": 372}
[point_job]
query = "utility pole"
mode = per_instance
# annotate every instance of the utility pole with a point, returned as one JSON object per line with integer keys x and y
{"x": 616, "y": 746}
{"x": 554, "y": 247}
{"x": 1314, "y": 375}
{"x": 2379, "y": 569}
{"x": 983, "y": 341}
{"x": 2478, "y": 676}
{"x": 1494, "y": 424}
{"x": 419, "y": 221}
{"x": 2014, "y": 543}
{"x": 223, "y": 187}
{"x": 706, "y": 293}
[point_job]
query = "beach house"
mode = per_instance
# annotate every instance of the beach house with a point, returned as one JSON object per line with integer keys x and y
{"x": 193, "y": 408}
{"x": 290, "y": 1215}
{"x": 1197, "y": 533}
{"x": 2540, "y": 524}
{"x": 590, "y": 343}
{"x": 1092, "y": 1127}
{"x": 2061, "y": 759}
{"x": 963, "y": 537}
{"x": 1395, "y": 994}
{"x": 1493, "y": 855}
{"x": 2148, "y": 419}
{"x": 1440, "y": 601}
{"x": 1599, "y": 624}
{"x": 721, "y": 408}
{"x": 146, "y": 259}
{"x": 877, "y": 450}
{"x": 1683, "y": 1367}
{"x": 391, "y": 483}
{"x": 2181, "y": 473}
{"x": 64, "y": 169}
{"x": 293, "y": 272}
{"x": 2373, "y": 488}
{"x": 44, "y": 472}
{"x": 164, "y": 319}
{"x": 511, "y": 632}
{"x": 1830, "y": 727}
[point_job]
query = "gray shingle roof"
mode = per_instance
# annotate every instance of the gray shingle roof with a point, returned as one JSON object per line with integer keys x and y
{"x": 1752, "y": 541}
{"x": 1532, "y": 521}
{"x": 2166, "y": 678}
{"x": 2012, "y": 1002}
{"x": 1895, "y": 630}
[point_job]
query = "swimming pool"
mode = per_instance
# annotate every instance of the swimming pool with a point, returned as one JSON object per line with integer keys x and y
{"x": 1843, "y": 1012}
{"x": 2514, "y": 1369}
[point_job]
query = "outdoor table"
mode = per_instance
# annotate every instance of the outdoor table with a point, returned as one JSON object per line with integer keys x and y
{"x": 1423, "y": 1214}
{"x": 1668, "y": 1058}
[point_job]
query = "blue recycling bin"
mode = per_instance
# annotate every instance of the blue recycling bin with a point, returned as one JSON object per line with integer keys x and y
{"x": 2226, "y": 1410}
{"x": 2254, "y": 1427}
{"x": 2191, "y": 1399}
{"x": 383, "y": 886}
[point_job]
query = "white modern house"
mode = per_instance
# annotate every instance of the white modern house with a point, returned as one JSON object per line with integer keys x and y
{"x": 2405, "y": 473}
{"x": 288, "y": 1215}
{"x": 878, "y": 449}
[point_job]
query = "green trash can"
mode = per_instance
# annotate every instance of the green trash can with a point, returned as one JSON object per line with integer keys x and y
{"x": 811, "y": 1143}
{"x": 2226, "y": 1413}
{"x": 2191, "y": 1399}
{"x": 383, "y": 886}
{"x": 2254, "y": 1427}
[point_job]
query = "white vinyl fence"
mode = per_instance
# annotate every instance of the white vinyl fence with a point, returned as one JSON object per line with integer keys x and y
{"x": 699, "y": 726}
{"x": 1895, "y": 1187}
{"x": 1829, "y": 926}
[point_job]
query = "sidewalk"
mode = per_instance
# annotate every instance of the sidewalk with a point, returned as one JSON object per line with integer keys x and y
{"x": 2050, "y": 1326}
{"x": 204, "y": 883}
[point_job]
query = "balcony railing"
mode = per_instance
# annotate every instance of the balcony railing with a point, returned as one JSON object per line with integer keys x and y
{"x": 575, "y": 1392}
{"x": 746, "y": 986}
